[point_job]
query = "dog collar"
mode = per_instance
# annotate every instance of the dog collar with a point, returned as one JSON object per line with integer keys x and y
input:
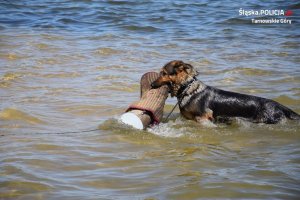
{"x": 183, "y": 88}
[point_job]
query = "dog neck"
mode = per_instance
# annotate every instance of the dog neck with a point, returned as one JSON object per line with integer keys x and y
{"x": 191, "y": 87}
{"x": 185, "y": 87}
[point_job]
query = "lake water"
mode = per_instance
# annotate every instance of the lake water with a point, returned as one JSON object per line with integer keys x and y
{"x": 74, "y": 65}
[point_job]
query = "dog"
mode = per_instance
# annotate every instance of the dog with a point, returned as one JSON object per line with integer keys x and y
{"x": 198, "y": 101}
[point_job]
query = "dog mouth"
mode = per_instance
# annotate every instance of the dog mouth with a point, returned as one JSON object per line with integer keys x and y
{"x": 171, "y": 87}
{"x": 160, "y": 82}
{"x": 155, "y": 85}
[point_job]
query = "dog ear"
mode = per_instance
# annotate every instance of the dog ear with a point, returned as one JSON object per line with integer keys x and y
{"x": 178, "y": 66}
{"x": 190, "y": 70}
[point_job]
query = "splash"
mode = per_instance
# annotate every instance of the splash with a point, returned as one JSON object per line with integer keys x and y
{"x": 173, "y": 128}
{"x": 166, "y": 130}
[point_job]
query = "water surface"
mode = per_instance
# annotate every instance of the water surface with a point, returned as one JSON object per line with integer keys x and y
{"x": 75, "y": 65}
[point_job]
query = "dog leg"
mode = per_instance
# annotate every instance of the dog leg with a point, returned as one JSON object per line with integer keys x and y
{"x": 206, "y": 119}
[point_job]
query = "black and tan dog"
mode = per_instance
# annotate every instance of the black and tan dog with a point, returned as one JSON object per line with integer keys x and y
{"x": 198, "y": 101}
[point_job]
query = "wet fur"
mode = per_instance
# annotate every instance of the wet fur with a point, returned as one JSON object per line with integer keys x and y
{"x": 198, "y": 101}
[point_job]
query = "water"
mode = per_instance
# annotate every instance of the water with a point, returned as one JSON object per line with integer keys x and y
{"x": 75, "y": 64}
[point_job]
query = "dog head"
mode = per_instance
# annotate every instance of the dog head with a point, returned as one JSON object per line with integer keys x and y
{"x": 175, "y": 74}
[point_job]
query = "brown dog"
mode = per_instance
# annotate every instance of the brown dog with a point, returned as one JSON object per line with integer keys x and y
{"x": 198, "y": 101}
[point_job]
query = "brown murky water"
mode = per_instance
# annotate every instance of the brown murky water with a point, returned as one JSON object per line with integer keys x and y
{"x": 56, "y": 80}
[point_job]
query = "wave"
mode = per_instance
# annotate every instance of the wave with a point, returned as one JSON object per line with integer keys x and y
{"x": 107, "y": 51}
{"x": 15, "y": 114}
{"x": 141, "y": 28}
{"x": 131, "y": 3}
{"x": 7, "y": 78}
{"x": 240, "y": 70}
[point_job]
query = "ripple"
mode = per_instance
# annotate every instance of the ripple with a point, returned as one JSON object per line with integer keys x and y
{"x": 286, "y": 79}
{"x": 120, "y": 86}
{"x": 251, "y": 90}
{"x": 19, "y": 188}
{"x": 105, "y": 37}
{"x": 140, "y": 28}
{"x": 47, "y": 147}
{"x": 267, "y": 173}
{"x": 110, "y": 77}
{"x": 85, "y": 110}
{"x": 158, "y": 19}
{"x": 68, "y": 20}
{"x": 11, "y": 76}
{"x": 14, "y": 114}
{"x": 62, "y": 75}
{"x": 106, "y": 51}
{"x": 116, "y": 2}
{"x": 248, "y": 71}
{"x": 289, "y": 44}
{"x": 4, "y": 84}
{"x": 286, "y": 100}
{"x": 13, "y": 56}
{"x": 281, "y": 54}
{"x": 113, "y": 67}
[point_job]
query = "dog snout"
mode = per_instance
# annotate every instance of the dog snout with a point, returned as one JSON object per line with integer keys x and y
{"x": 160, "y": 81}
